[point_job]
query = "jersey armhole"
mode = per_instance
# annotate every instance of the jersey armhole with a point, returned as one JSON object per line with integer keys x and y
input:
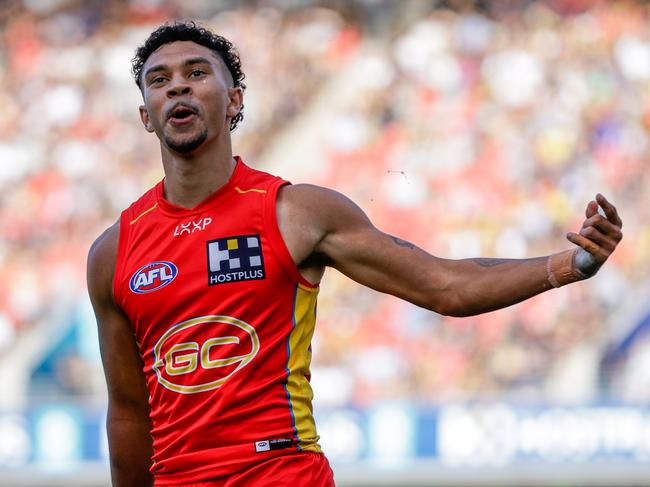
{"x": 278, "y": 245}
{"x": 120, "y": 260}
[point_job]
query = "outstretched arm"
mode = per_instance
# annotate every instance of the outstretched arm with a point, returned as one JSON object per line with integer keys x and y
{"x": 342, "y": 236}
{"x": 128, "y": 422}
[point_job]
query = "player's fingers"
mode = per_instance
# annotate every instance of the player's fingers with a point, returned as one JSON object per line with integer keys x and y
{"x": 610, "y": 210}
{"x": 604, "y": 226}
{"x": 590, "y": 246}
{"x": 603, "y": 240}
{"x": 592, "y": 209}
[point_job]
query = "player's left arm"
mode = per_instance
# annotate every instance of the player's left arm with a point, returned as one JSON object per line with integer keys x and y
{"x": 323, "y": 223}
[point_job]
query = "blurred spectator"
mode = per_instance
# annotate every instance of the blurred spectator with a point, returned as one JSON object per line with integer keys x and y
{"x": 476, "y": 135}
{"x": 71, "y": 143}
{"x": 469, "y": 134}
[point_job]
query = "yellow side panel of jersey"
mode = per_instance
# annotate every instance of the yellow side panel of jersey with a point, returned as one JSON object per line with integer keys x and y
{"x": 299, "y": 390}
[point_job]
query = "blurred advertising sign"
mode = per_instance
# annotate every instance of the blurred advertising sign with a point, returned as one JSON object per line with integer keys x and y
{"x": 393, "y": 434}
{"x": 15, "y": 442}
{"x": 495, "y": 435}
{"x": 486, "y": 435}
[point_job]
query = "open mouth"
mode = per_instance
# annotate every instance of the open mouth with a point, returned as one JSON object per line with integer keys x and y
{"x": 182, "y": 114}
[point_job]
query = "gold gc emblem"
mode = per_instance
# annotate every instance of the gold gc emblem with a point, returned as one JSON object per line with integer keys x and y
{"x": 201, "y": 354}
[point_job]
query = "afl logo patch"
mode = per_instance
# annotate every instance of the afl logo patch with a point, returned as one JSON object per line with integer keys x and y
{"x": 153, "y": 276}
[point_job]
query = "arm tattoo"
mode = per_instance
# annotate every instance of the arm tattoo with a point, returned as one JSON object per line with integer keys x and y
{"x": 403, "y": 243}
{"x": 485, "y": 262}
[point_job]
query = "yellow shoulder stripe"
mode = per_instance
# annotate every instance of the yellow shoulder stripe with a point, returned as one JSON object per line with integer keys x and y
{"x": 135, "y": 220}
{"x": 254, "y": 190}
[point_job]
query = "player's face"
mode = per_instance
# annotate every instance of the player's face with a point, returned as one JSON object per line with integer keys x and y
{"x": 188, "y": 96}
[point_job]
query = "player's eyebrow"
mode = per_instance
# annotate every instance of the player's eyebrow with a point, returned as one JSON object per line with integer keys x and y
{"x": 196, "y": 60}
{"x": 189, "y": 62}
{"x": 155, "y": 69}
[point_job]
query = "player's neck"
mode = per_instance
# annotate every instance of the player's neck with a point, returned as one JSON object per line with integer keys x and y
{"x": 191, "y": 179}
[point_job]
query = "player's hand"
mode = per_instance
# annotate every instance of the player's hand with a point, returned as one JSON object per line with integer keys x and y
{"x": 598, "y": 236}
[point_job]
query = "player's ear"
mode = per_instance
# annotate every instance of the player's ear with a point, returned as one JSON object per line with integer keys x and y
{"x": 235, "y": 101}
{"x": 146, "y": 121}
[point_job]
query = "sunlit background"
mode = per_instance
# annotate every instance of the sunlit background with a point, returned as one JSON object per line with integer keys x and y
{"x": 468, "y": 128}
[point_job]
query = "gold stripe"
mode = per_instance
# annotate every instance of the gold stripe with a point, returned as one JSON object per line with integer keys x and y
{"x": 135, "y": 220}
{"x": 255, "y": 190}
{"x": 298, "y": 387}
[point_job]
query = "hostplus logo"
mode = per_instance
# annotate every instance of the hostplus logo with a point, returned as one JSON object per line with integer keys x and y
{"x": 234, "y": 259}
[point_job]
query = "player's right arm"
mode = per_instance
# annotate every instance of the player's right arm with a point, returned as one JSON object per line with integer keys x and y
{"x": 128, "y": 424}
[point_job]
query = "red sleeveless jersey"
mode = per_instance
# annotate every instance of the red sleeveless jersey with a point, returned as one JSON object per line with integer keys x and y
{"x": 224, "y": 321}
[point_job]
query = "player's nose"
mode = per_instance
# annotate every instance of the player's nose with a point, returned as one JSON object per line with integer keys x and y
{"x": 178, "y": 86}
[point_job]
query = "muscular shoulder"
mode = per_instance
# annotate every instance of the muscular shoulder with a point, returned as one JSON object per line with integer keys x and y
{"x": 323, "y": 207}
{"x": 101, "y": 261}
{"x": 309, "y": 214}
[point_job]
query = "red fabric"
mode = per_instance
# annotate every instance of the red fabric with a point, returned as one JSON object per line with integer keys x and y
{"x": 211, "y": 433}
{"x": 301, "y": 470}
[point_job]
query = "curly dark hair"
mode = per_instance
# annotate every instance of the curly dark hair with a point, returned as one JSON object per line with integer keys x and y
{"x": 191, "y": 31}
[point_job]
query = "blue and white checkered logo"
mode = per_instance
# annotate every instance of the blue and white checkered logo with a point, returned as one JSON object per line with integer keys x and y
{"x": 234, "y": 259}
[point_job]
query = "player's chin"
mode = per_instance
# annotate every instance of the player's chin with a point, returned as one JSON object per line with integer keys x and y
{"x": 186, "y": 143}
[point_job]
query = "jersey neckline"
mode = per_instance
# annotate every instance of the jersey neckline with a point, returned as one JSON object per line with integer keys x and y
{"x": 210, "y": 201}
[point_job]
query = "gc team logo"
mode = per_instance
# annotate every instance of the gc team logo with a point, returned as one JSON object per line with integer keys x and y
{"x": 201, "y": 354}
{"x": 153, "y": 276}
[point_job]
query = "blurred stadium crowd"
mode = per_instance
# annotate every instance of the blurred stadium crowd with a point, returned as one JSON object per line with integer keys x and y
{"x": 472, "y": 131}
